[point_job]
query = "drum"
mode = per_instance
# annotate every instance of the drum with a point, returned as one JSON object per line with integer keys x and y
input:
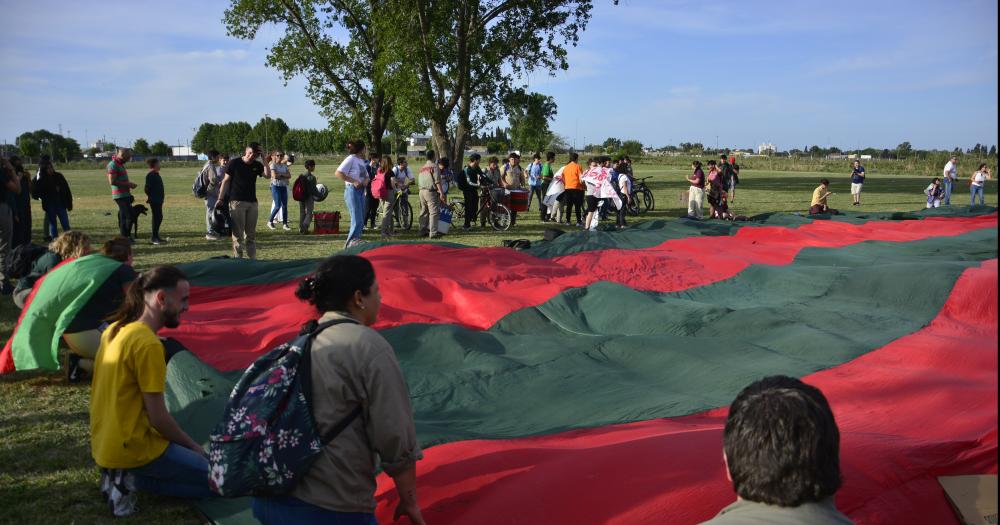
{"x": 519, "y": 200}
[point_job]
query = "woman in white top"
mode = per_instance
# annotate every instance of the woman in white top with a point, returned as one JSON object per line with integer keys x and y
{"x": 977, "y": 183}
{"x": 354, "y": 172}
{"x": 280, "y": 175}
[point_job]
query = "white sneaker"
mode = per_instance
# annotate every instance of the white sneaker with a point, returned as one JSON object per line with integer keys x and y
{"x": 286, "y": 228}
{"x": 122, "y": 497}
{"x": 270, "y": 225}
{"x": 105, "y": 483}
{"x": 211, "y": 237}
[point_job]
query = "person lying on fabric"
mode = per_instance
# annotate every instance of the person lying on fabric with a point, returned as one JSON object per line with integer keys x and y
{"x": 134, "y": 439}
{"x": 782, "y": 454}
{"x": 83, "y": 335}
{"x": 352, "y": 364}
{"x": 69, "y": 245}
{"x": 820, "y": 194}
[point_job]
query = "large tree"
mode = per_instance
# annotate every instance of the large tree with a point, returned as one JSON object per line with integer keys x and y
{"x": 141, "y": 146}
{"x": 336, "y": 47}
{"x": 529, "y": 115}
{"x": 470, "y": 54}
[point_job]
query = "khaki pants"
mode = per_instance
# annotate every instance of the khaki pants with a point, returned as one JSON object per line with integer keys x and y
{"x": 430, "y": 206}
{"x": 696, "y": 196}
{"x": 243, "y": 216}
{"x": 305, "y": 214}
{"x": 386, "y": 206}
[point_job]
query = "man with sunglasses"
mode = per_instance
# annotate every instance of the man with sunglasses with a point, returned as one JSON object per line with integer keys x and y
{"x": 241, "y": 183}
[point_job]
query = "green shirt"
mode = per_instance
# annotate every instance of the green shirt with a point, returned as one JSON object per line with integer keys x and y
{"x": 547, "y": 172}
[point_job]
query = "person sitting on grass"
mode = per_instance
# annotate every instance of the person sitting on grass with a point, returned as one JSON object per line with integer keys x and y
{"x": 83, "y": 335}
{"x": 820, "y": 194}
{"x": 134, "y": 439}
{"x": 935, "y": 193}
{"x": 69, "y": 245}
{"x": 781, "y": 450}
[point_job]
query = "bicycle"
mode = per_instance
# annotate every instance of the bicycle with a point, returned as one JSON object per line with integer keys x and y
{"x": 498, "y": 214}
{"x": 641, "y": 191}
{"x": 402, "y": 212}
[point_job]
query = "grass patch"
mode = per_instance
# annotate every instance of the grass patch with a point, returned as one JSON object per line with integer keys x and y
{"x": 48, "y": 474}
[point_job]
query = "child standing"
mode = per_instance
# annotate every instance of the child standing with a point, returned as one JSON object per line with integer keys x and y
{"x": 307, "y": 202}
{"x": 155, "y": 196}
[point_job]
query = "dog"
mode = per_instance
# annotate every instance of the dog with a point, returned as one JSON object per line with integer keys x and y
{"x": 137, "y": 210}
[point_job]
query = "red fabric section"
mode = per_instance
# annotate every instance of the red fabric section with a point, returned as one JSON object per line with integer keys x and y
{"x": 922, "y": 406}
{"x": 477, "y": 287}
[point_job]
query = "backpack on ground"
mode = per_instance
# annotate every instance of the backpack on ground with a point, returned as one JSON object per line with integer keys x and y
{"x": 267, "y": 438}
{"x": 18, "y": 263}
{"x": 299, "y": 190}
{"x": 200, "y": 186}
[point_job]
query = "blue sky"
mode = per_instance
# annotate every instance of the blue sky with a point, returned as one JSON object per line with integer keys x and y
{"x": 663, "y": 72}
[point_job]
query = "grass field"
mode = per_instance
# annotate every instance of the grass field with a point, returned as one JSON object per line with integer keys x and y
{"x": 48, "y": 475}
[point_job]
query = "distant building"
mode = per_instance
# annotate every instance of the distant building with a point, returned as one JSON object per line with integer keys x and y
{"x": 766, "y": 149}
{"x": 182, "y": 151}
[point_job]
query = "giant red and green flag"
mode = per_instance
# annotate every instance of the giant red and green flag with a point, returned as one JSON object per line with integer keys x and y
{"x": 586, "y": 380}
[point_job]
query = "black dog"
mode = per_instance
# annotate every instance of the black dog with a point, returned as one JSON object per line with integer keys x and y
{"x": 137, "y": 210}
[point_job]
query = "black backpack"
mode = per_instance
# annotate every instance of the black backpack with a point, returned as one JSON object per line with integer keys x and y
{"x": 268, "y": 438}
{"x": 18, "y": 263}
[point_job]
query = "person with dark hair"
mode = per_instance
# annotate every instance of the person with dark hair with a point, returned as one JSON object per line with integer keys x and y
{"x": 9, "y": 188}
{"x": 818, "y": 203}
{"x": 696, "y": 193}
{"x": 512, "y": 178}
{"x": 976, "y": 184}
{"x": 857, "y": 182}
{"x": 22, "y": 205}
{"x": 351, "y": 365}
{"x": 121, "y": 190}
{"x": 309, "y": 199}
{"x": 354, "y": 172}
{"x": 239, "y": 191}
{"x": 935, "y": 193}
{"x": 547, "y": 174}
{"x": 432, "y": 197}
{"x": 83, "y": 335}
{"x": 371, "y": 202}
{"x": 782, "y": 454}
{"x": 469, "y": 181}
{"x": 280, "y": 174}
{"x": 57, "y": 199}
{"x": 211, "y": 177}
{"x": 386, "y": 197}
{"x": 155, "y": 196}
{"x": 134, "y": 439}
{"x": 573, "y": 194}
{"x": 535, "y": 183}
{"x": 42, "y": 162}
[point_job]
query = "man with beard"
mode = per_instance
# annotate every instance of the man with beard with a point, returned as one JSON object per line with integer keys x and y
{"x": 134, "y": 440}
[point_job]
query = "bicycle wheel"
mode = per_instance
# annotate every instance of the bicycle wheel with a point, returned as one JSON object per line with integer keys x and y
{"x": 457, "y": 208}
{"x": 500, "y": 218}
{"x": 633, "y": 207}
{"x": 404, "y": 215}
{"x": 647, "y": 199}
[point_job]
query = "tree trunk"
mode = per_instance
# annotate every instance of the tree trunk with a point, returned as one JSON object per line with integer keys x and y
{"x": 439, "y": 134}
{"x": 377, "y": 125}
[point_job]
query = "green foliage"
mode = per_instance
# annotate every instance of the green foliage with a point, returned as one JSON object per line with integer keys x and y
{"x": 529, "y": 115}
{"x": 632, "y": 148}
{"x": 161, "y": 149}
{"x": 611, "y": 145}
{"x": 33, "y": 144}
{"x": 269, "y": 132}
{"x": 141, "y": 147}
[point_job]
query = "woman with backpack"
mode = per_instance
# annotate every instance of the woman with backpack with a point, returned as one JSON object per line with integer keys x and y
{"x": 351, "y": 366}
{"x": 384, "y": 190}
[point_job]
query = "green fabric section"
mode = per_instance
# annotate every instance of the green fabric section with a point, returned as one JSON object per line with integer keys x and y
{"x": 607, "y": 354}
{"x": 62, "y": 294}
{"x": 232, "y": 272}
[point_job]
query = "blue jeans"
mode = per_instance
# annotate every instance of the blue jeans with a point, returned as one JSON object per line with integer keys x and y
{"x": 976, "y": 190}
{"x": 355, "y": 199}
{"x": 287, "y": 509}
{"x": 179, "y": 472}
{"x": 52, "y": 212}
{"x": 279, "y": 196}
{"x": 947, "y": 191}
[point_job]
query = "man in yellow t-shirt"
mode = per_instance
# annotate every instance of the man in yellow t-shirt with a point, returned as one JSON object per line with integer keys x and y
{"x": 134, "y": 439}
{"x": 818, "y": 203}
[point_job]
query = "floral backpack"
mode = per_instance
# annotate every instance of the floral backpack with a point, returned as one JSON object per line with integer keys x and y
{"x": 267, "y": 438}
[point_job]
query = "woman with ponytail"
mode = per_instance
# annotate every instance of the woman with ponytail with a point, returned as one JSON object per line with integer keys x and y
{"x": 134, "y": 439}
{"x": 351, "y": 365}
{"x": 354, "y": 172}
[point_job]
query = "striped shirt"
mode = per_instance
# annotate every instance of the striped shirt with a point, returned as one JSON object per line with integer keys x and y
{"x": 119, "y": 175}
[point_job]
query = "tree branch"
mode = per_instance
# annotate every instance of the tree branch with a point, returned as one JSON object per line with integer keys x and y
{"x": 299, "y": 22}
